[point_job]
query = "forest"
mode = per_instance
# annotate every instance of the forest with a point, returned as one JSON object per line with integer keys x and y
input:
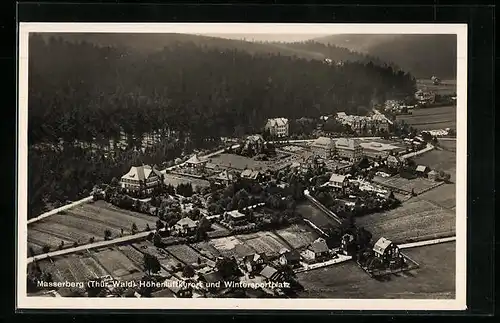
{"x": 91, "y": 93}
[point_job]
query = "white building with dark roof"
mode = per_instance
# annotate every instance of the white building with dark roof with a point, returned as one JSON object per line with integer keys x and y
{"x": 278, "y": 127}
{"x": 385, "y": 249}
{"x": 338, "y": 181}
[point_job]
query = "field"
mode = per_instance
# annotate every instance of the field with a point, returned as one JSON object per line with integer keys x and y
{"x": 316, "y": 216}
{"x": 117, "y": 264}
{"x": 265, "y": 242}
{"x": 73, "y": 268}
{"x": 83, "y": 222}
{"x": 298, "y": 236}
{"x": 434, "y": 279}
{"x": 444, "y": 196}
{"x": 418, "y": 184}
{"x": 219, "y": 231}
{"x": 431, "y": 118}
{"x": 185, "y": 254}
{"x": 414, "y": 220}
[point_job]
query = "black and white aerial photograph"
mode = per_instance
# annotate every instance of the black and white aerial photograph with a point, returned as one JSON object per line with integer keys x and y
{"x": 239, "y": 164}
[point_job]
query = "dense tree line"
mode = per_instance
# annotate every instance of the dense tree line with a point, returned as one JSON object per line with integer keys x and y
{"x": 81, "y": 91}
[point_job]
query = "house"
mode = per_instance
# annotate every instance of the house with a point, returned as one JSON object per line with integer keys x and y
{"x": 224, "y": 178}
{"x": 348, "y": 148}
{"x": 385, "y": 249}
{"x": 318, "y": 250}
{"x": 422, "y": 170}
{"x": 235, "y": 217}
{"x": 196, "y": 162}
{"x": 394, "y": 161}
{"x": 254, "y": 262}
{"x": 327, "y": 145}
{"x": 433, "y": 175}
{"x": 289, "y": 258}
{"x": 278, "y": 127}
{"x": 377, "y": 150}
{"x": 185, "y": 226}
{"x": 338, "y": 181}
{"x": 141, "y": 178}
{"x": 252, "y": 175}
{"x": 255, "y": 141}
{"x": 271, "y": 274}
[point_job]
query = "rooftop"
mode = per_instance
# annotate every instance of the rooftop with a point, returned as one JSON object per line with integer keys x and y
{"x": 381, "y": 245}
{"x": 187, "y": 222}
{"x": 337, "y": 178}
{"x": 141, "y": 173}
{"x": 268, "y": 272}
{"x": 277, "y": 122}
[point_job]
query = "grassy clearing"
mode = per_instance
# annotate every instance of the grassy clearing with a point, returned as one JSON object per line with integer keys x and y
{"x": 298, "y": 236}
{"x": 432, "y": 118}
{"x": 434, "y": 279}
{"x": 413, "y": 220}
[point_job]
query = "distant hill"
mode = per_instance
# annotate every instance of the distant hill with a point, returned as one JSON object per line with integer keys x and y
{"x": 422, "y": 55}
{"x": 149, "y": 43}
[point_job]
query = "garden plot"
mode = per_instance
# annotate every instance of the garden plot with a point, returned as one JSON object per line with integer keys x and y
{"x": 72, "y": 269}
{"x": 42, "y": 238}
{"x": 185, "y": 254}
{"x": 117, "y": 264}
{"x": 231, "y": 247}
{"x": 207, "y": 250}
{"x": 48, "y": 265}
{"x": 418, "y": 185}
{"x": 93, "y": 266}
{"x": 297, "y": 236}
{"x": 414, "y": 220}
{"x": 131, "y": 253}
{"x": 264, "y": 242}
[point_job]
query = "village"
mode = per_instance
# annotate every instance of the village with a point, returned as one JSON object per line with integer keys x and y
{"x": 231, "y": 215}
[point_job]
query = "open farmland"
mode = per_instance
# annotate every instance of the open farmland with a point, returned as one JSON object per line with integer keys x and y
{"x": 77, "y": 268}
{"x": 413, "y": 220}
{"x": 434, "y": 279}
{"x": 117, "y": 264}
{"x": 265, "y": 242}
{"x": 185, "y": 254}
{"x": 298, "y": 236}
{"x": 439, "y": 160}
{"x": 316, "y": 216}
{"x": 447, "y": 87}
{"x": 418, "y": 185}
{"x": 83, "y": 222}
{"x": 431, "y": 118}
{"x": 444, "y": 196}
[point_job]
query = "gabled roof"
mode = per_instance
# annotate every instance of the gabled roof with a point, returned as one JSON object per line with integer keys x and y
{"x": 141, "y": 173}
{"x": 254, "y": 257}
{"x": 194, "y": 160}
{"x": 318, "y": 247}
{"x": 225, "y": 176}
{"x": 187, "y": 222}
{"x": 337, "y": 178}
{"x": 347, "y": 143}
{"x": 381, "y": 245}
{"x": 277, "y": 122}
{"x": 323, "y": 142}
{"x": 268, "y": 272}
{"x": 421, "y": 168}
{"x": 235, "y": 214}
{"x": 433, "y": 172}
{"x": 249, "y": 173}
{"x": 392, "y": 158}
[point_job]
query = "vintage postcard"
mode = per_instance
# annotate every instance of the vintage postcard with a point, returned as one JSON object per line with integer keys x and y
{"x": 242, "y": 166}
